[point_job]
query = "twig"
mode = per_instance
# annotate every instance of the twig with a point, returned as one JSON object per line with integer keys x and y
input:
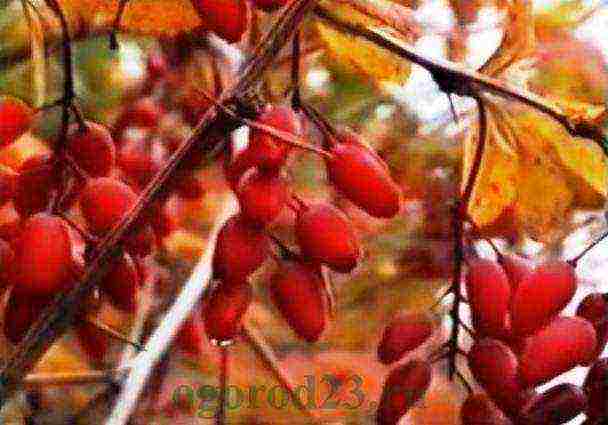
{"x": 112, "y": 333}
{"x": 44, "y": 380}
{"x": 574, "y": 261}
{"x": 296, "y": 98}
{"x": 116, "y": 25}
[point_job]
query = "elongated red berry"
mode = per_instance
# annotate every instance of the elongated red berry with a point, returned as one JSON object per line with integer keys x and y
{"x": 479, "y": 409}
{"x": 297, "y": 291}
{"x": 270, "y": 5}
{"x": 563, "y": 344}
{"x": 15, "y": 119}
{"x": 36, "y": 184}
{"x": 326, "y": 235}
{"x": 403, "y": 388}
{"x": 92, "y": 148}
{"x": 240, "y": 249}
{"x": 225, "y": 309}
{"x": 265, "y": 150}
{"x": 143, "y": 113}
{"x": 142, "y": 159}
{"x": 262, "y": 196}
{"x": 104, "y": 202}
{"x": 596, "y": 388}
{"x": 44, "y": 262}
{"x": 360, "y": 175}
{"x": 495, "y": 367}
{"x": 21, "y": 312}
{"x": 556, "y": 406}
{"x": 541, "y": 296}
{"x": 190, "y": 336}
{"x": 594, "y": 308}
{"x": 226, "y": 18}
{"x": 516, "y": 268}
{"x": 122, "y": 282}
{"x": 489, "y": 295}
{"x": 406, "y": 332}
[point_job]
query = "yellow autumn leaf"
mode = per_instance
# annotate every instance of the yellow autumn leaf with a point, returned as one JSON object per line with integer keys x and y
{"x": 361, "y": 57}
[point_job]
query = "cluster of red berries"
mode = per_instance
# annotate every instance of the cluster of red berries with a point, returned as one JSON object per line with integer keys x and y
{"x": 324, "y": 233}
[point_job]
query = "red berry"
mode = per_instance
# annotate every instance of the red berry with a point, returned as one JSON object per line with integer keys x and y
{"x": 297, "y": 291}
{"x": 403, "y": 388}
{"x": 44, "y": 257}
{"x": 479, "y": 409}
{"x": 104, "y": 202}
{"x": 594, "y": 308}
{"x": 556, "y": 406}
{"x": 270, "y": 5}
{"x": 157, "y": 65}
{"x": 326, "y": 235}
{"x": 596, "y": 387}
{"x": 235, "y": 166}
{"x": 224, "y": 311}
{"x": 141, "y": 159}
{"x": 495, "y": 367}
{"x": 190, "y": 336}
{"x": 36, "y": 184}
{"x": 8, "y": 181}
{"x": 93, "y": 341}
{"x": 226, "y": 18}
{"x": 92, "y": 148}
{"x": 21, "y": 312}
{"x": 406, "y": 332}
{"x": 541, "y": 296}
{"x": 266, "y": 150}
{"x": 15, "y": 119}
{"x": 516, "y": 268}
{"x": 563, "y": 344}
{"x": 240, "y": 249}
{"x": 143, "y": 113}
{"x": 489, "y": 294}
{"x": 121, "y": 283}
{"x": 360, "y": 175}
{"x": 7, "y": 257}
{"x": 262, "y": 196}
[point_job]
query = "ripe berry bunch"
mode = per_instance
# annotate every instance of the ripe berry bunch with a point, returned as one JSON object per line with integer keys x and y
{"x": 325, "y": 236}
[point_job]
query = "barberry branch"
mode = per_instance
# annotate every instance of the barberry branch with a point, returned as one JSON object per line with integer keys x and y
{"x": 44, "y": 380}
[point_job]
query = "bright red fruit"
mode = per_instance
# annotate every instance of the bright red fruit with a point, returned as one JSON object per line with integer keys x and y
{"x": 36, "y": 184}
{"x": 142, "y": 159}
{"x": 297, "y": 291}
{"x": 563, "y": 344}
{"x": 143, "y": 113}
{"x": 92, "y": 148}
{"x": 226, "y": 18}
{"x": 360, "y": 175}
{"x": 121, "y": 283}
{"x": 403, "y": 388}
{"x": 495, "y": 367}
{"x": 21, "y": 312}
{"x": 556, "y": 406}
{"x": 270, "y": 5}
{"x": 265, "y": 150}
{"x": 406, "y": 332}
{"x": 516, "y": 268}
{"x": 262, "y": 196}
{"x": 190, "y": 336}
{"x": 225, "y": 309}
{"x": 326, "y": 236}
{"x": 594, "y": 308}
{"x": 541, "y": 296}
{"x": 44, "y": 261}
{"x": 240, "y": 249}
{"x": 479, "y": 409}
{"x": 15, "y": 119}
{"x": 104, "y": 201}
{"x": 489, "y": 295}
{"x": 596, "y": 387}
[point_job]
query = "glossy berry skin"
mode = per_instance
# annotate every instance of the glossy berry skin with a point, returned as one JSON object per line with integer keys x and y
{"x": 541, "y": 296}
{"x": 594, "y": 308}
{"x": 479, "y": 409}
{"x": 15, "y": 119}
{"x": 141, "y": 160}
{"x": 297, "y": 291}
{"x": 489, "y": 295}
{"x": 226, "y": 18}
{"x": 265, "y": 150}
{"x": 495, "y": 367}
{"x": 121, "y": 283}
{"x": 326, "y": 235}
{"x": 104, "y": 202}
{"x": 143, "y": 113}
{"x": 556, "y": 406}
{"x": 21, "y": 312}
{"x": 406, "y": 332}
{"x": 403, "y": 388}
{"x": 44, "y": 262}
{"x": 362, "y": 177}
{"x": 240, "y": 249}
{"x": 36, "y": 184}
{"x": 225, "y": 309}
{"x": 92, "y": 148}
{"x": 563, "y": 344}
{"x": 516, "y": 268}
{"x": 262, "y": 196}
{"x": 270, "y": 5}
{"x": 596, "y": 388}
